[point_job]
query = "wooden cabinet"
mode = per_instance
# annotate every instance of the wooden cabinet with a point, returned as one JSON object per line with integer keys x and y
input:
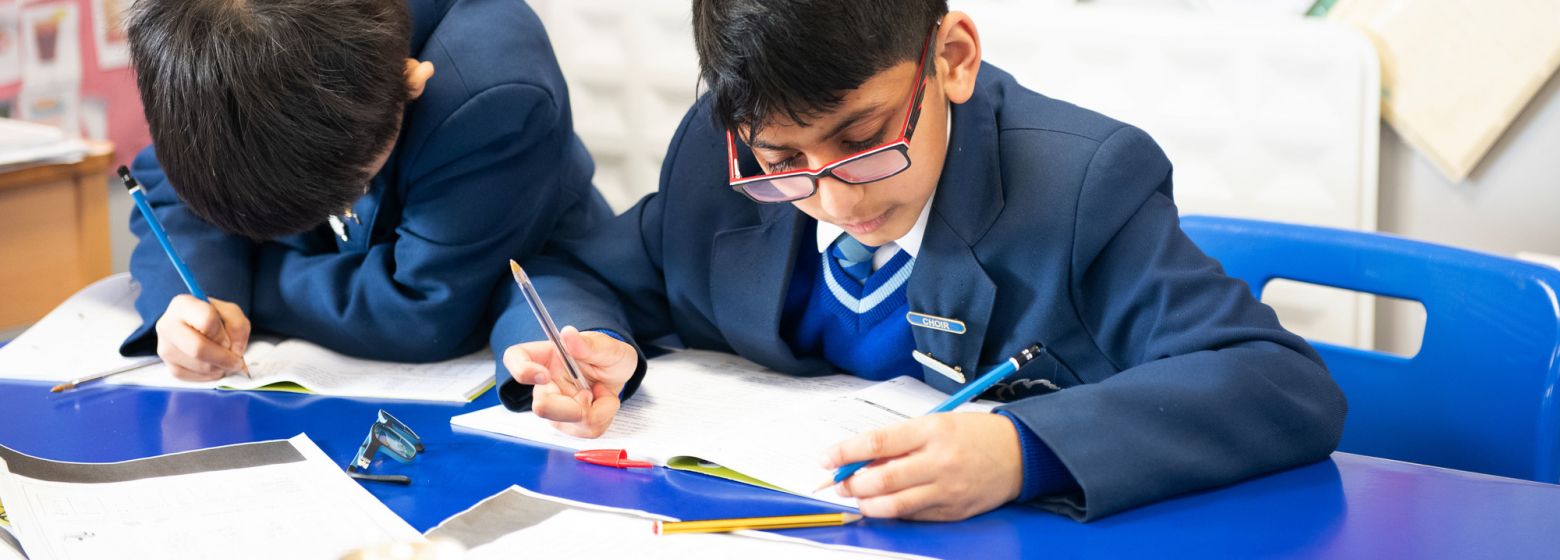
{"x": 53, "y": 234}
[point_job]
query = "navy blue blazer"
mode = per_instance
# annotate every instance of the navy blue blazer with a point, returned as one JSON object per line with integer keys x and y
{"x": 486, "y": 168}
{"x": 1051, "y": 223}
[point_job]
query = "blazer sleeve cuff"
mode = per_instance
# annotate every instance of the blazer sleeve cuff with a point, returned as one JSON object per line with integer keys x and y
{"x": 1044, "y": 474}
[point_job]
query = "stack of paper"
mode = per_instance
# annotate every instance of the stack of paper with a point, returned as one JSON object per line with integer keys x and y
{"x": 275, "y": 499}
{"x": 25, "y": 143}
{"x": 698, "y": 408}
{"x": 82, "y": 336}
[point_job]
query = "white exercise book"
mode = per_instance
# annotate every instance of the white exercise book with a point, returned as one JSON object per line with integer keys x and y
{"x": 726, "y": 416}
{"x": 82, "y": 337}
{"x": 306, "y": 367}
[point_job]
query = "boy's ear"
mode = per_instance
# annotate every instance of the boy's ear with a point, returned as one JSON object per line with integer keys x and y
{"x": 958, "y": 56}
{"x": 417, "y": 75}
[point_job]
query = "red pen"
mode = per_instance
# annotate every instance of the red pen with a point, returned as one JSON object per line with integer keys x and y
{"x": 611, "y": 458}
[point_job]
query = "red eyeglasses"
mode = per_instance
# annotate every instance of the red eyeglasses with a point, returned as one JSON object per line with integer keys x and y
{"x": 874, "y": 164}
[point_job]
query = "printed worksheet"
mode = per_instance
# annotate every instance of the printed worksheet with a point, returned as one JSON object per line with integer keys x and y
{"x": 517, "y": 523}
{"x": 274, "y": 499}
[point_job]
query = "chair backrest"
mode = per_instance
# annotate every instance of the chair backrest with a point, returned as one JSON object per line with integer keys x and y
{"x": 1481, "y": 393}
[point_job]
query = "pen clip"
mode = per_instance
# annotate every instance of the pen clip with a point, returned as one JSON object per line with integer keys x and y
{"x": 611, "y": 458}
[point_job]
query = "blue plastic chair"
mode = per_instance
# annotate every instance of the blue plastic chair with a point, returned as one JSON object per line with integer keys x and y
{"x": 1480, "y": 394}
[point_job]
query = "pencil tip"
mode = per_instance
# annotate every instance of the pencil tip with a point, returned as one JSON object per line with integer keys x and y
{"x": 60, "y": 387}
{"x": 853, "y": 517}
{"x": 821, "y": 487}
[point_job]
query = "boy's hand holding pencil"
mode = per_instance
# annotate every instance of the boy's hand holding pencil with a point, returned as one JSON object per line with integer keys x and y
{"x": 606, "y": 362}
{"x": 578, "y": 376}
{"x": 202, "y": 341}
{"x": 940, "y": 467}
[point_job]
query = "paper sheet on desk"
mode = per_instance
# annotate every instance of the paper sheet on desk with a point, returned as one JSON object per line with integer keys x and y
{"x": 517, "y": 522}
{"x": 79, "y": 337}
{"x": 726, "y": 410}
{"x": 276, "y": 499}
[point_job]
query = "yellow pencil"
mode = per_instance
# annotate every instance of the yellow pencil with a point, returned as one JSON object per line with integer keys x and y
{"x": 757, "y": 523}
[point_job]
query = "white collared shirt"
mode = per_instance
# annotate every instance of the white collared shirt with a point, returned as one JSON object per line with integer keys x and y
{"x": 910, "y": 242}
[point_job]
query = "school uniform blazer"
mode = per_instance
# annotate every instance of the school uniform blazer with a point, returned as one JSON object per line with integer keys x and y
{"x": 1051, "y": 223}
{"x": 487, "y": 166}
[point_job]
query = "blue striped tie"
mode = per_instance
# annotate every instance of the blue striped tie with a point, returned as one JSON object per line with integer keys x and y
{"x": 854, "y": 257}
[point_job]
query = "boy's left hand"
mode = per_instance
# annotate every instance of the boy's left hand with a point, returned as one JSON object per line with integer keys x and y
{"x": 942, "y": 467}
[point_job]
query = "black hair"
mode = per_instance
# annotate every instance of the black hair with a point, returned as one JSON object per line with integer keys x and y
{"x": 796, "y": 59}
{"x": 267, "y": 114}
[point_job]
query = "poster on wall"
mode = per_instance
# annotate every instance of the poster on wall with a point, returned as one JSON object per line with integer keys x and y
{"x": 51, "y": 104}
{"x": 50, "y": 43}
{"x": 108, "y": 23}
{"x": 10, "y": 42}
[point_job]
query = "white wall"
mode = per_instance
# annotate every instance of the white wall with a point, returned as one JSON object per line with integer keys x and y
{"x": 1511, "y": 202}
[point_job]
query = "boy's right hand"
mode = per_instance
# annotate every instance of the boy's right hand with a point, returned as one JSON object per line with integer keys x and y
{"x": 202, "y": 341}
{"x": 606, "y": 362}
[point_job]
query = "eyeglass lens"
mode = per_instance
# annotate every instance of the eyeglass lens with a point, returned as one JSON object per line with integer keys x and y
{"x": 875, "y": 167}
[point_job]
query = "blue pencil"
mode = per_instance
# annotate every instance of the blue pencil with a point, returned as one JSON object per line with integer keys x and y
{"x": 139, "y": 196}
{"x": 967, "y": 394}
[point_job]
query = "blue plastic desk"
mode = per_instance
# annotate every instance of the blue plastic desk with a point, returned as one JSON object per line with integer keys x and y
{"x": 1350, "y": 506}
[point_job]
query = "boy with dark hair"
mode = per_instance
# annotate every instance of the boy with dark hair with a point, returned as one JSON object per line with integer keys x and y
{"x": 857, "y": 185}
{"x": 273, "y": 117}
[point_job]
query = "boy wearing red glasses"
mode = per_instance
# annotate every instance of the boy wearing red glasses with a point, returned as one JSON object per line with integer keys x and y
{"x": 857, "y": 185}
